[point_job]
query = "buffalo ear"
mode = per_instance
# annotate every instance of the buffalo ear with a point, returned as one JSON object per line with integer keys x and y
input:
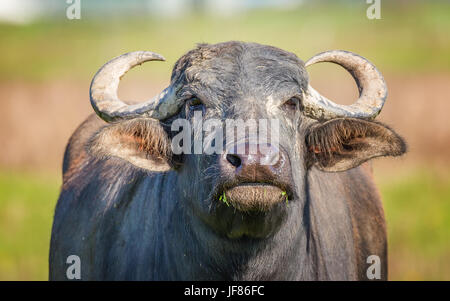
{"x": 345, "y": 143}
{"x": 142, "y": 142}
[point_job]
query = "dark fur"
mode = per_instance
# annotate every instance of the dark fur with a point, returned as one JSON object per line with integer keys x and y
{"x": 126, "y": 222}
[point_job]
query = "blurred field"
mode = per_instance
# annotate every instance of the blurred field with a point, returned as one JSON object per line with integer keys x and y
{"x": 26, "y": 211}
{"x": 411, "y": 37}
{"x": 46, "y": 68}
{"x": 418, "y": 215}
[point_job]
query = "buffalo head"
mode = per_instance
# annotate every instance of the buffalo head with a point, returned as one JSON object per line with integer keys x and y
{"x": 242, "y": 193}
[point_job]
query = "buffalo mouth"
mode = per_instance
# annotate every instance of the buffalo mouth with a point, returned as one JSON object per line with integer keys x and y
{"x": 254, "y": 196}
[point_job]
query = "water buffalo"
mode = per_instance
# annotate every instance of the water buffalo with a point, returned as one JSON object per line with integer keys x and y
{"x": 131, "y": 208}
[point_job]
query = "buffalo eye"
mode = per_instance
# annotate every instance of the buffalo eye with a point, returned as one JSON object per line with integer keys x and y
{"x": 195, "y": 104}
{"x": 291, "y": 104}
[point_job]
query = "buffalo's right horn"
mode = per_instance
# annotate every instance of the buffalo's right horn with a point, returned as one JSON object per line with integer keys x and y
{"x": 106, "y": 103}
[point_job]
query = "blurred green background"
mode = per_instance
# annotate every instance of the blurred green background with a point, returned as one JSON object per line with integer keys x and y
{"x": 47, "y": 62}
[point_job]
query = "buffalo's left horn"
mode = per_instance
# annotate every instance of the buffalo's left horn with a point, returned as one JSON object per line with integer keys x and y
{"x": 370, "y": 82}
{"x": 106, "y": 103}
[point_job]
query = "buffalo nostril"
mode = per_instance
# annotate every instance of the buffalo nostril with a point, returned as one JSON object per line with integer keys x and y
{"x": 234, "y": 160}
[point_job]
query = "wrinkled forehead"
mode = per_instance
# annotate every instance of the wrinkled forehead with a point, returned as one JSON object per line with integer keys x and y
{"x": 244, "y": 69}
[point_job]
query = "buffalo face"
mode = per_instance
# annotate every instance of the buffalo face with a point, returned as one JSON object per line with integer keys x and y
{"x": 250, "y": 187}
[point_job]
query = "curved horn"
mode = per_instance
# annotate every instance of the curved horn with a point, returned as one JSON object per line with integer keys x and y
{"x": 370, "y": 82}
{"x": 104, "y": 85}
